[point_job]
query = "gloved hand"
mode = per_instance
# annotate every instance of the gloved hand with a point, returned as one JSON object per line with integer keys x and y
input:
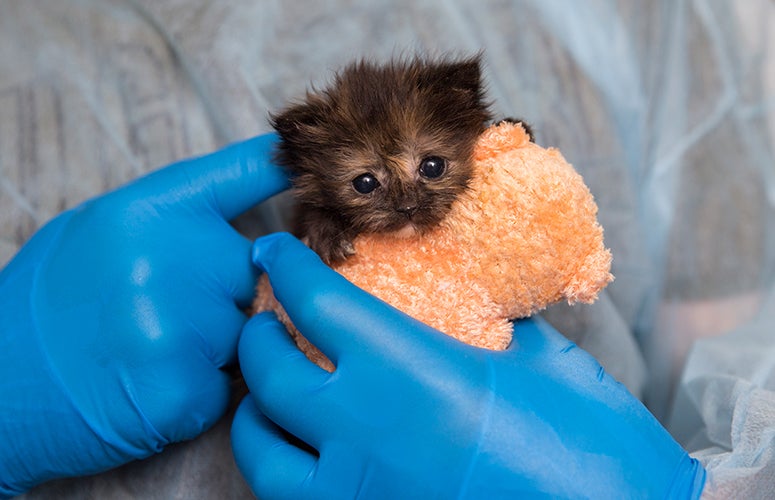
{"x": 412, "y": 413}
{"x": 116, "y": 317}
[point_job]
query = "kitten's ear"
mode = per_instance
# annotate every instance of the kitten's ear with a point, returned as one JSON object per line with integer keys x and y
{"x": 302, "y": 123}
{"x": 464, "y": 75}
{"x": 291, "y": 119}
{"x": 302, "y": 129}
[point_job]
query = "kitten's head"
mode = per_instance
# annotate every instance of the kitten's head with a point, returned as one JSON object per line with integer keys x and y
{"x": 386, "y": 148}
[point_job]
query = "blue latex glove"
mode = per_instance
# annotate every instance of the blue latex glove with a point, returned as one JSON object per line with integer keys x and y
{"x": 412, "y": 413}
{"x": 116, "y": 317}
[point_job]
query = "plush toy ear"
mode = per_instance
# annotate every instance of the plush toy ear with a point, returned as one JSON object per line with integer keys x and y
{"x": 527, "y": 128}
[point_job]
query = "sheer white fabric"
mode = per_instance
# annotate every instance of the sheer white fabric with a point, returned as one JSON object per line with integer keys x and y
{"x": 664, "y": 106}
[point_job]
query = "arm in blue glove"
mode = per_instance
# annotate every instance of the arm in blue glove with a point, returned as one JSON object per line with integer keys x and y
{"x": 412, "y": 413}
{"x": 116, "y": 317}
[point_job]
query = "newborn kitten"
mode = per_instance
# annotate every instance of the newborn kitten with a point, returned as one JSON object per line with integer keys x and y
{"x": 385, "y": 148}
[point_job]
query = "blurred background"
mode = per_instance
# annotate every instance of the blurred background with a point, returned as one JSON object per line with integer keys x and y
{"x": 664, "y": 106}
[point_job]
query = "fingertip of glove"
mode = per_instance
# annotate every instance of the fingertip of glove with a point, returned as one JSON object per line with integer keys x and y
{"x": 282, "y": 249}
{"x": 262, "y": 248}
{"x": 260, "y": 331}
{"x": 262, "y": 319}
{"x": 256, "y": 146}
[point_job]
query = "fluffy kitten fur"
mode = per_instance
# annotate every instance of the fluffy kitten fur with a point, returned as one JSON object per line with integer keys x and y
{"x": 385, "y": 148}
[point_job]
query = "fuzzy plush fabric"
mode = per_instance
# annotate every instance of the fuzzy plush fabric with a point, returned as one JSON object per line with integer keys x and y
{"x": 525, "y": 235}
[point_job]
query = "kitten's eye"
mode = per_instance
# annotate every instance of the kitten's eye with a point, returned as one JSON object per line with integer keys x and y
{"x": 432, "y": 167}
{"x": 365, "y": 183}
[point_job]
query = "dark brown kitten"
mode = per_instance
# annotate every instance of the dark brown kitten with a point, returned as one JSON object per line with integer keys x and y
{"x": 385, "y": 148}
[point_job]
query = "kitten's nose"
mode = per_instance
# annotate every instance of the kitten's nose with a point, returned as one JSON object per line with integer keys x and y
{"x": 407, "y": 209}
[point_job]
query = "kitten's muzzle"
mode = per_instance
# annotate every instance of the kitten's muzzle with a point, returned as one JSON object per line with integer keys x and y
{"x": 407, "y": 204}
{"x": 407, "y": 210}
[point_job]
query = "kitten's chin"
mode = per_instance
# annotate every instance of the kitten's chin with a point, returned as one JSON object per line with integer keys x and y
{"x": 407, "y": 231}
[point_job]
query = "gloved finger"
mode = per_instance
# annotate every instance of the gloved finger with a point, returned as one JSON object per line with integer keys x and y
{"x": 536, "y": 334}
{"x": 285, "y": 384}
{"x": 242, "y": 175}
{"x": 218, "y": 329}
{"x": 230, "y": 180}
{"x": 321, "y": 302}
{"x": 271, "y": 465}
{"x": 538, "y": 342}
{"x": 187, "y": 401}
{"x": 231, "y": 263}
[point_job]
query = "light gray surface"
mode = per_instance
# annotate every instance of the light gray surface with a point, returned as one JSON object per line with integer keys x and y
{"x": 663, "y": 106}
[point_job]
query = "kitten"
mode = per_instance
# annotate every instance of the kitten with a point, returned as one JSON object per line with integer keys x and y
{"x": 385, "y": 148}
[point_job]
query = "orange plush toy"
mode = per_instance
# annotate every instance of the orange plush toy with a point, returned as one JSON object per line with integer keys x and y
{"x": 523, "y": 236}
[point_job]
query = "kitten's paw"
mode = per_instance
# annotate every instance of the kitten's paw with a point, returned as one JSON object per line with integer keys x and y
{"x": 332, "y": 252}
{"x": 340, "y": 252}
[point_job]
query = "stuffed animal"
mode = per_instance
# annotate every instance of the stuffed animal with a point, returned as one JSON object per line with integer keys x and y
{"x": 523, "y": 236}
